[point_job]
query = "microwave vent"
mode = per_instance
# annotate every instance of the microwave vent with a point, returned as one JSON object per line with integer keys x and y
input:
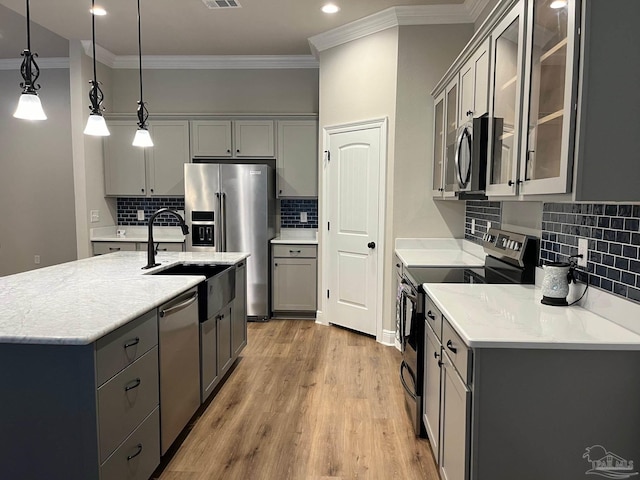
{"x": 222, "y": 4}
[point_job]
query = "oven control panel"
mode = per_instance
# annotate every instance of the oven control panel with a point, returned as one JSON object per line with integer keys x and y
{"x": 509, "y": 246}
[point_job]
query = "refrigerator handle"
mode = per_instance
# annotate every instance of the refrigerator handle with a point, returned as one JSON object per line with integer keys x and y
{"x": 218, "y": 225}
{"x": 224, "y": 221}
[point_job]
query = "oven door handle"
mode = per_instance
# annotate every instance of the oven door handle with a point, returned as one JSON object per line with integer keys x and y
{"x": 404, "y": 366}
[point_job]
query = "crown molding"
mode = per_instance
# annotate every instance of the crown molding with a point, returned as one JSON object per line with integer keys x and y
{"x": 466, "y": 12}
{"x": 43, "y": 63}
{"x": 103, "y": 55}
{"x": 217, "y": 62}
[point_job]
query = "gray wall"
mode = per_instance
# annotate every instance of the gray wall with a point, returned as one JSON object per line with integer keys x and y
{"x": 36, "y": 185}
{"x": 391, "y": 74}
{"x": 217, "y": 91}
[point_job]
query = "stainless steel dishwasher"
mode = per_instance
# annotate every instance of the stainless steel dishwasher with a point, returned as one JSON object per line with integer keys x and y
{"x": 179, "y": 365}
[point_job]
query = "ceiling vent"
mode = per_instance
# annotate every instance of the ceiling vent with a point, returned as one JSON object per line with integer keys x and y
{"x": 221, "y": 3}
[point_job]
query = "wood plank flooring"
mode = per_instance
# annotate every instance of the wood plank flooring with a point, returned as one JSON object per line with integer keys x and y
{"x": 305, "y": 402}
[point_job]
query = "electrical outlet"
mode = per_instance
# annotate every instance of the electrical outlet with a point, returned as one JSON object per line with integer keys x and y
{"x": 36, "y": 259}
{"x": 488, "y": 226}
{"x": 473, "y": 226}
{"x": 303, "y": 217}
{"x": 140, "y": 214}
{"x": 583, "y": 249}
{"x": 95, "y": 216}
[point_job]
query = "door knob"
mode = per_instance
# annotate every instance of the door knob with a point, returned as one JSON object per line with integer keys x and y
{"x": 371, "y": 244}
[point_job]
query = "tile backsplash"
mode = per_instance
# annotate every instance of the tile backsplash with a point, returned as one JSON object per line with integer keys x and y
{"x": 128, "y": 210}
{"x": 613, "y": 235}
{"x": 482, "y": 212}
{"x": 290, "y": 210}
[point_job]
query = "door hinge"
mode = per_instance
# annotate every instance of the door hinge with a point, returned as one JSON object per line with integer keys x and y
{"x": 327, "y": 293}
{"x": 328, "y": 155}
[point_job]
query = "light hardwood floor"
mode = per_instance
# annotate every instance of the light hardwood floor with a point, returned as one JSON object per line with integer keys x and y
{"x": 305, "y": 402}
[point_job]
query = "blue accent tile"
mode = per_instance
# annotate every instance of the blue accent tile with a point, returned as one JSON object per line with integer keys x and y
{"x": 623, "y": 237}
{"x": 606, "y": 284}
{"x": 628, "y": 278}
{"x": 625, "y": 210}
{"x": 634, "y": 294}
{"x": 615, "y": 249}
{"x": 632, "y": 224}
{"x": 622, "y": 263}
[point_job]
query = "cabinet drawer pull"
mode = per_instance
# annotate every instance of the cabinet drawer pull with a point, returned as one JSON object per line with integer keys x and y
{"x": 431, "y": 315}
{"x": 114, "y": 249}
{"x": 133, "y": 342}
{"x": 451, "y": 347}
{"x": 136, "y": 384}
{"x": 139, "y": 447}
{"x": 295, "y": 251}
{"x": 435, "y": 355}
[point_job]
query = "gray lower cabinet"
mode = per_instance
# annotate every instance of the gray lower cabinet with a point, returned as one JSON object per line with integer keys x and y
{"x": 82, "y": 412}
{"x": 527, "y": 413}
{"x": 294, "y": 273}
{"x": 101, "y": 248}
{"x": 239, "y": 311}
{"x": 225, "y": 358}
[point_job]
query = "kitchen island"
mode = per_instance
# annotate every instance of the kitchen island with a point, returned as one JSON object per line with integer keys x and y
{"x": 517, "y": 389}
{"x": 79, "y": 350}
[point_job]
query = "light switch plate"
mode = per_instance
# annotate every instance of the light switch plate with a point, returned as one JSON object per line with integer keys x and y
{"x": 140, "y": 214}
{"x": 95, "y": 216}
{"x": 473, "y": 226}
{"x": 303, "y": 217}
{"x": 583, "y": 249}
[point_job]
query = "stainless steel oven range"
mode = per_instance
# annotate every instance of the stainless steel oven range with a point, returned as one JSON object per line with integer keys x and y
{"x": 511, "y": 258}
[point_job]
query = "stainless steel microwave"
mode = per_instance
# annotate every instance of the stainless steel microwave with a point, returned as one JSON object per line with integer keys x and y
{"x": 471, "y": 160}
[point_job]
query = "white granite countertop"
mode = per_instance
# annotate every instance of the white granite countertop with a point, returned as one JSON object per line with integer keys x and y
{"x": 78, "y": 302}
{"x": 511, "y": 316}
{"x": 439, "y": 252}
{"x": 136, "y": 234}
{"x": 296, "y": 236}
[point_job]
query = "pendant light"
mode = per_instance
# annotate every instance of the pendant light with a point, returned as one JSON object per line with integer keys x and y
{"x": 29, "y": 106}
{"x": 142, "y": 138}
{"x": 96, "y": 125}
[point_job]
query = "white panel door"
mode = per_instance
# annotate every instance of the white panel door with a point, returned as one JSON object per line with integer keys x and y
{"x": 353, "y": 228}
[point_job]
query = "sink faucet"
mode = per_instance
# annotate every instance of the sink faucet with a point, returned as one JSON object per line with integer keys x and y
{"x": 151, "y": 252}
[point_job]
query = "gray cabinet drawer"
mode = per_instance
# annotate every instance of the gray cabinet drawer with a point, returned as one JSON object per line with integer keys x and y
{"x": 121, "y": 348}
{"x": 301, "y": 251}
{"x": 457, "y": 351}
{"x": 125, "y": 400}
{"x": 100, "y": 248}
{"x": 139, "y": 455}
{"x": 433, "y": 318}
{"x": 164, "y": 247}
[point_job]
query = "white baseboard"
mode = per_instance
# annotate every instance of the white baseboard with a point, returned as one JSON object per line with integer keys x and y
{"x": 320, "y": 318}
{"x": 388, "y": 337}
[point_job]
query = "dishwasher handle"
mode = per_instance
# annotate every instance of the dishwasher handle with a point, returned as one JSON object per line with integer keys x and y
{"x": 183, "y": 304}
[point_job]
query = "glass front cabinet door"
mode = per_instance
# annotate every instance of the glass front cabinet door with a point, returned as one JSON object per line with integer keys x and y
{"x": 450, "y": 138}
{"x": 505, "y": 101}
{"x": 438, "y": 143}
{"x": 548, "y": 116}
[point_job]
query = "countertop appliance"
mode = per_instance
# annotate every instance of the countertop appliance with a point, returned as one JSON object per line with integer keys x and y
{"x": 555, "y": 284}
{"x": 178, "y": 351}
{"x": 231, "y": 208}
{"x": 511, "y": 258}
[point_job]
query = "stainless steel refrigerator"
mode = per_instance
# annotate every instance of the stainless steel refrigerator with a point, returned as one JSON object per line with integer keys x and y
{"x": 231, "y": 208}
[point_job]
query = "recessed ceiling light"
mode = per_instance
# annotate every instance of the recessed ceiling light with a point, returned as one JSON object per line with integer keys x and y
{"x": 330, "y": 8}
{"x": 98, "y": 11}
{"x": 558, "y": 4}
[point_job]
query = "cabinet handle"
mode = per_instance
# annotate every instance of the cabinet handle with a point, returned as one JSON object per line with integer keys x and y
{"x": 133, "y": 342}
{"x": 451, "y": 347}
{"x": 139, "y": 447}
{"x": 136, "y": 384}
{"x": 142, "y": 190}
{"x": 397, "y": 265}
{"x": 114, "y": 249}
{"x": 435, "y": 355}
{"x": 511, "y": 183}
{"x": 431, "y": 315}
{"x": 238, "y": 151}
{"x": 469, "y": 113}
{"x": 275, "y": 264}
{"x": 440, "y": 363}
{"x": 295, "y": 251}
{"x": 152, "y": 190}
{"x": 219, "y": 317}
{"x": 280, "y": 191}
{"x": 228, "y": 150}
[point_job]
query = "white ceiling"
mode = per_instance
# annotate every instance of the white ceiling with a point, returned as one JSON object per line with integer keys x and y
{"x": 184, "y": 27}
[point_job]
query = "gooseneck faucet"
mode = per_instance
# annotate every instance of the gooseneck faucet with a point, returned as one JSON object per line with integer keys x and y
{"x": 151, "y": 252}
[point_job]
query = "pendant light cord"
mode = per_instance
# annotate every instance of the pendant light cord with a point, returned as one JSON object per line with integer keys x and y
{"x": 140, "y": 52}
{"x": 93, "y": 36}
{"x": 28, "y": 28}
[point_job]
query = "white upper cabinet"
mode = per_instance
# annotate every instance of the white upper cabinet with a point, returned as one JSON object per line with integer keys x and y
{"x": 152, "y": 171}
{"x": 438, "y": 144}
{"x": 474, "y": 86}
{"x": 233, "y": 138}
{"x": 211, "y": 138}
{"x": 297, "y": 161}
{"x": 254, "y": 138}
{"x": 450, "y": 138}
{"x": 547, "y": 111}
{"x": 507, "y": 41}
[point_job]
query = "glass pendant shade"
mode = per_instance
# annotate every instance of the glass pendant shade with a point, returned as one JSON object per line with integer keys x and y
{"x": 96, "y": 126}
{"x": 142, "y": 138}
{"x": 30, "y": 108}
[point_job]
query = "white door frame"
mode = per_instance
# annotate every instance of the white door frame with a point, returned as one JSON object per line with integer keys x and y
{"x": 381, "y": 124}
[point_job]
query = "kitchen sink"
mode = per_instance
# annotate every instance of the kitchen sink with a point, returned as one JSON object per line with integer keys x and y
{"x": 194, "y": 269}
